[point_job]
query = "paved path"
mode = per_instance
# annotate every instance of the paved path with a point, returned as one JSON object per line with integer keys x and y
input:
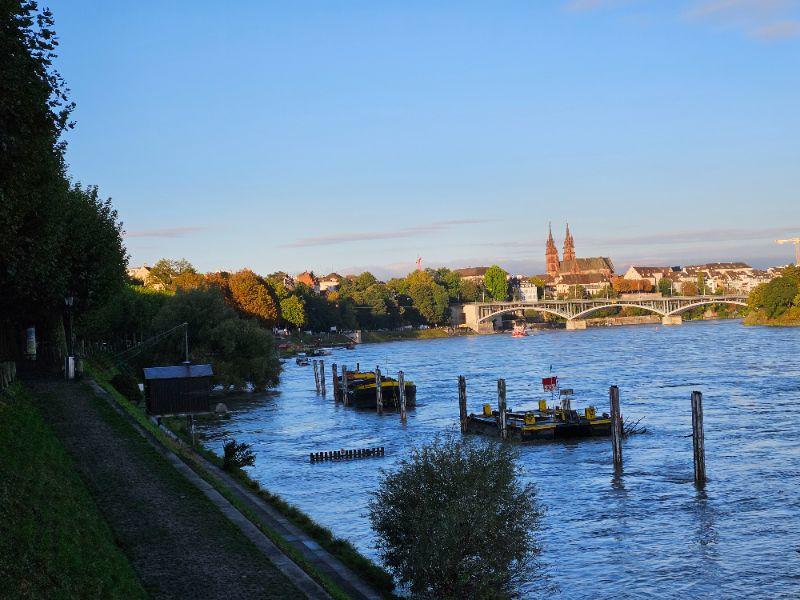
{"x": 183, "y": 539}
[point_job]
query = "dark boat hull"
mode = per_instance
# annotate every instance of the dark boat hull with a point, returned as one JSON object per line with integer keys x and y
{"x": 364, "y": 396}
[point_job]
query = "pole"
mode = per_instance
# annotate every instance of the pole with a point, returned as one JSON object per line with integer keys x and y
{"x": 186, "y": 341}
{"x": 401, "y": 384}
{"x": 698, "y": 439}
{"x": 345, "y": 399}
{"x": 378, "y": 391}
{"x": 316, "y": 375}
{"x": 501, "y": 405}
{"x": 322, "y": 378}
{"x": 335, "y": 383}
{"x": 616, "y": 427}
{"x": 462, "y": 402}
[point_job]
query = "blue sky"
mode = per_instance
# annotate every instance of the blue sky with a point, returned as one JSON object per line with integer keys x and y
{"x": 359, "y": 135}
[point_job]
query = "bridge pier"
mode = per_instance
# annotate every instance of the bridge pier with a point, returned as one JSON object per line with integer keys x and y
{"x": 575, "y": 324}
{"x": 672, "y": 320}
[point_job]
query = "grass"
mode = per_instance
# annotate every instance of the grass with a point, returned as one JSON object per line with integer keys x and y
{"x": 53, "y": 540}
{"x": 341, "y": 549}
{"x": 374, "y": 337}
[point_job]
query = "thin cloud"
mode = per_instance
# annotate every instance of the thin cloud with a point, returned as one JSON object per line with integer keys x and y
{"x": 767, "y": 234}
{"x": 166, "y": 232}
{"x": 361, "y": 236}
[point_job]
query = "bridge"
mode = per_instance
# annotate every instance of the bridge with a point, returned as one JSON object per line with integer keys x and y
{"x": 480, "y": 316}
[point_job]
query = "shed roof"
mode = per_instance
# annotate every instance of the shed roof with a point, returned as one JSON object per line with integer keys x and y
{"x": 178, "y": 372}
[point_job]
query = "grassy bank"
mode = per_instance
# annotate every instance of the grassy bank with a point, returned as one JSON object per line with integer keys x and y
{"x": 341, "y": 549}
{"x": 53, "y": 540}
{"x": 374, "y": 337}
{"x": 790, "y": 318}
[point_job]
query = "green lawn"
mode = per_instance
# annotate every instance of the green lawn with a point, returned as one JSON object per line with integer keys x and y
{"x": 53, "y": 540}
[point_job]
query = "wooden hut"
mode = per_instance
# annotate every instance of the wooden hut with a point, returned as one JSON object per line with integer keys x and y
{"x": 178, "y": 389}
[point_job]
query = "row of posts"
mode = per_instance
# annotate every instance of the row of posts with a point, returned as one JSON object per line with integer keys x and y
{"x": 319, "y": 381}
{"x": 698, "y": 437}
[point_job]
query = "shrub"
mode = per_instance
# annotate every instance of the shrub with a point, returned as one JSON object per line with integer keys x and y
{"x": 237, "y": 456}
{"x": 127, "y": 385}
{"x": 455, "y": 522}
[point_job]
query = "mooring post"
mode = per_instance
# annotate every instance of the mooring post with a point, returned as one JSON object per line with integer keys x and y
{"x": 335, "y": 383}
{"x": 322, "y": 377}
{"x": 345, "y": 399}
{"x": 358, "y": 367}
{"x": 316, "y": 375}
{"x": 698, "y": 439}
{"x": 501, "y": 405}
{"x": 616, "y": 426}
{"x": 462, "y": 402}
{"x": 378, "y": 391}
{"x": 401, "y": 388}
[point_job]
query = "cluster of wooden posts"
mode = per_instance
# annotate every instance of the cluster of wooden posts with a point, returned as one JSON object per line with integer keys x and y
{"x": 698, "y": 438}
{"x": 319, "y": 379}
{"x": 347, "y": 454}
{"x": 8, "y": 373}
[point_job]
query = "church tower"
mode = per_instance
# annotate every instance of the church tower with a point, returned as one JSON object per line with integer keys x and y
{"x": 551, "y": 255}
{"x": 569, "y": 247}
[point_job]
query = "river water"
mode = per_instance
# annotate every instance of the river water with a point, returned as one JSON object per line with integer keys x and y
{"x": 650, "y": 531}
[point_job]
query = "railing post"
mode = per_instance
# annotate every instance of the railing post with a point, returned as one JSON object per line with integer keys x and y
{"x": 501, "y": 406}
{"x": 698, "y": 439}
{"x": 401, "y": 385}
{"x": 462, "y": 402}
{"x": 616, "y": 427}
{"x": 378, "y": 391}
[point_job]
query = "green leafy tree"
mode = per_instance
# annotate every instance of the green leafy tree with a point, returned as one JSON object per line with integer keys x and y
{"x": 293, "y": 311}
{"x": 428, "y": 298}
{"x": 665, "y": 286}
{"x": 470, "y": 291}
{"x": 454, "y": 521}
{"x": 778, "y": 296}
{"x": 166, "y": 270}
{"x": 496, "y": 282}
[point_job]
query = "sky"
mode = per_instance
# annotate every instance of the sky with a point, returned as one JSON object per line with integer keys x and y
{"x": 344, "y": 136}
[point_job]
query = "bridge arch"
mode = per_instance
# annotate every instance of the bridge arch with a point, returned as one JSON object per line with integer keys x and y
{"x": 522, "y": 308}
{"x": 592, "y": 309}
{"x": 678, "y": 311}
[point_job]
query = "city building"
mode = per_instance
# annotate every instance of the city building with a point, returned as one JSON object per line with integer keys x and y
{"x": 144, "y": 275}
{"x": 308, "y": 278}
{"x": 472, "y": 273}
{"x": 571, "y": 264}
{"x": 330, "y": 283}
{"x": 650, "y": 274}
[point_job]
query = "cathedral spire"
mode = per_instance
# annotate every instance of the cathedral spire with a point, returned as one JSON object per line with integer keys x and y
{"x": 551, "y": 254}
{"x": 569, "y": 246}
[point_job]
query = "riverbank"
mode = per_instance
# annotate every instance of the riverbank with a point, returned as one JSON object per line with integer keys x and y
{"x": 376, "y": 337}
{"x": 54, "y": 542}
{"x": 790, "y": 318}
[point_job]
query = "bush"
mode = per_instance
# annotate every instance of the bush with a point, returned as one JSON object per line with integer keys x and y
{"x": 127, "y": 386}
{"x": 455, "y": 522}
{"x": 237, "y": 456}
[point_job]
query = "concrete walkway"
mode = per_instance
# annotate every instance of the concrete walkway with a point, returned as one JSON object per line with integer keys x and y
{"x": 183, "y": 538}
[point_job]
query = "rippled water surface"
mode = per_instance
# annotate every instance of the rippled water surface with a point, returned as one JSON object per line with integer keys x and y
{"x": 651, "y": 531}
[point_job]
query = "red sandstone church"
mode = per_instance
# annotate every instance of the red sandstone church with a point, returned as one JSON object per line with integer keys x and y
{"x": 572, "y": 270}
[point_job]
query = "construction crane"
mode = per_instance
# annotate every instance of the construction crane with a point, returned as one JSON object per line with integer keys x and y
{"x": 796, "y": 242}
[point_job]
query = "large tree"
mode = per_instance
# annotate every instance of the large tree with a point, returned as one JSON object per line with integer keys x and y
{"x": 454, "y": 521}
{"x": 252, "y": 296}
{"x": 496, "y": 281}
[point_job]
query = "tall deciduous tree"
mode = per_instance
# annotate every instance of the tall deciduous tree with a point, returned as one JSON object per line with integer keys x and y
{"x": 293, "y": 311}
{"x": 455, "y": 522}
{"x": 496, "y": 281}
{"x": 252, "y": 296}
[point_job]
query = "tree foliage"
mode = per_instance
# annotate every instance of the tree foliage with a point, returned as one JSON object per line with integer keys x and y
{"x": 454, "y": 521}
{"x": 293, "y": 311}
{"x": 252, "y": 296}
{"x": 167, "y": 270}
{"x": 496, "y": 282}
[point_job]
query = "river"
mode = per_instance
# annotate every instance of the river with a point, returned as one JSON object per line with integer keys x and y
{"x": 649, "y": 532}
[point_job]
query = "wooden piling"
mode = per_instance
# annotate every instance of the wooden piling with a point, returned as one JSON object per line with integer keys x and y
{"x": 462, "y": 402}
{"x": 616, "y": 426}
{"x": 345, "y": 399}
{"x": 501, "y": 406}
{"x": 322, "y": 378}
{"x": 335, "y": 383}
{"x": 378, "y": 391}
{"x": 401, "y": 389}
{"x": 316, "y": 375}
{"x": 698, "y": 439}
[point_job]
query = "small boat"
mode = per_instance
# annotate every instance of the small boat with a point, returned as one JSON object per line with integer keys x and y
{"x": 545, "y": 423}
{"x": 519, "y": 329}
{"x": 302, "y": 359}
{"x": 361, "y": 391}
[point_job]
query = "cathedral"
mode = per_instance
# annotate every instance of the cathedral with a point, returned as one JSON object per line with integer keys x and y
{"x": 570, "y": 264}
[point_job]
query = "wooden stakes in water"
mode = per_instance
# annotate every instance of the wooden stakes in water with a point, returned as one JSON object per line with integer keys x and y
{"x": 316, "y": 374}
{"x": 345, "y": 399}
{"x": 322, "y": 377}
{"x": 335, "y": 384}
{"x": 698, "y": 439}
{"x": 347, "y": 454}
{"x": 462, "y": 402}
{"x": 501, "y": 406}
{"x": 616, "y": 426}
{"x": 378, "y": 391}
{"x": 401, "y": 388}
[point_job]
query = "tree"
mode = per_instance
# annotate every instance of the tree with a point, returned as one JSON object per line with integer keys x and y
{"x": 252, "y": 296}
{"x": 454, "y": 521}
{"x": 293, "y": 311}
{"x": 689, "y": 288}
{"x": 496, "y": 282}
{"x": 701, "y": 282}
{"x": 430, "y": 299}
{"x": 778, "y": 295}
{"x": 470, "y": 291}
{"x": 665, "y": 286}
{"x": 166, "y": 270}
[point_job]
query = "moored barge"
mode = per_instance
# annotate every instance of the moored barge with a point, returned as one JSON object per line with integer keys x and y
{"x": 362, "y": 391}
